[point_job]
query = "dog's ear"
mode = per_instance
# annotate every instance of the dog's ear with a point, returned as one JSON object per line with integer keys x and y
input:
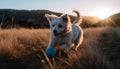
{"x": 49, "y": 17}
{"x": 65, "y": 18}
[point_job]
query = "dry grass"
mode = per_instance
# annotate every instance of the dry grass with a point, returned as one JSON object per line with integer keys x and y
{"x": 21, "y": 49}
{"x": 15, "y": 41}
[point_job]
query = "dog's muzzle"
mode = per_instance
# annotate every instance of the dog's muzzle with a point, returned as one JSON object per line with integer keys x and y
{"x": 55, "y": 33}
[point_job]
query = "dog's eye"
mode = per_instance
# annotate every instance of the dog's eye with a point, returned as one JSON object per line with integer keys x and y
{"x": 53, "y": 25}
{"x": 60, "y": 26}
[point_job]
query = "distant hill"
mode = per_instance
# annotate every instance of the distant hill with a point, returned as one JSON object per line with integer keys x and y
{"x": 35, "y": 18}
{"x": 90, "y": 21}
{"x": 24, "y": 18}
{"x": 113, "y": 20}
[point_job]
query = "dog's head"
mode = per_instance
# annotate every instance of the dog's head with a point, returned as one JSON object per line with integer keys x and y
{"x": 59, "y": 24}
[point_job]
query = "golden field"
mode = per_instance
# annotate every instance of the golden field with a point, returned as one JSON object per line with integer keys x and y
{"x": 21, "y": 49}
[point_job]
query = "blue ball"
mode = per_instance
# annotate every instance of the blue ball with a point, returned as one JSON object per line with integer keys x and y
{"x": 51, "y": 52}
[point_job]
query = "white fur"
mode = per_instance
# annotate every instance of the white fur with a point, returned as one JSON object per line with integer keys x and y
{"x": 63, "y": 32}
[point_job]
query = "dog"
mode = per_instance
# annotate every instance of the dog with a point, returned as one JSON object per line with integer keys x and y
{"x": 63, "y": 32}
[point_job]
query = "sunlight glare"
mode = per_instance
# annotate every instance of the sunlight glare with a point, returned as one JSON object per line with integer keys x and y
{"x": 102, "y": 13}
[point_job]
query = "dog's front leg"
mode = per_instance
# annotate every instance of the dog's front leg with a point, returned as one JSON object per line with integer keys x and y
{"x": 65, "y": 46}
{"x": 51, "y": 44}
{"x": 64, "y": 49}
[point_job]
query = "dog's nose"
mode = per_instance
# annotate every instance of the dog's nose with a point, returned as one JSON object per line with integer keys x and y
{"x": 55, "y": 31}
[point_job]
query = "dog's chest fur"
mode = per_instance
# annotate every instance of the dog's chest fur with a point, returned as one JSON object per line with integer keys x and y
{"x": 63, "y": 39}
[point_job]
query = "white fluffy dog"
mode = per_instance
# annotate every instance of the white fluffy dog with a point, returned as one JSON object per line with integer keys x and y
{"x": 63, "y": 32}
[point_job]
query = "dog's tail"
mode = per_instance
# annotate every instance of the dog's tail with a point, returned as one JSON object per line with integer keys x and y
{"x": 78, "y": 19}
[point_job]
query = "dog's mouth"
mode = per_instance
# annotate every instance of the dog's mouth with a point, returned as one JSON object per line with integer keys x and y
{"x": 56, "y": 34}
{"x": 62, "y": 33}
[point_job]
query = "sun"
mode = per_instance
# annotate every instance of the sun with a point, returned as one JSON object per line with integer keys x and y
{"x": 102, "y": 13}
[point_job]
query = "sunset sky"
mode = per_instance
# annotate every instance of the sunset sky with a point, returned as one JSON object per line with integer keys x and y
{"x": 86, "y": 7}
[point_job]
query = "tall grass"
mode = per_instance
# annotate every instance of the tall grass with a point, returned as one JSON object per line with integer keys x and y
{"x": 21, "y": 49}
{"x": 12, "y": 41}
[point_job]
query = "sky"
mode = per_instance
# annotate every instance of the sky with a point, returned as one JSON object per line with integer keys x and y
{"x": 64, "y": 6}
